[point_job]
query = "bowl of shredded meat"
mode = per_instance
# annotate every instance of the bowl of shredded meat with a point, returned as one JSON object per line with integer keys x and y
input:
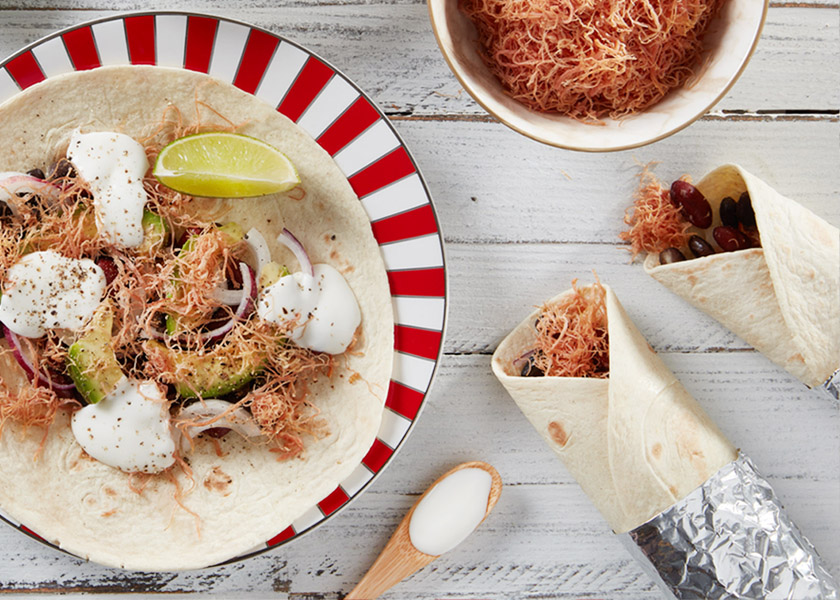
{"x": 602, "y": 75}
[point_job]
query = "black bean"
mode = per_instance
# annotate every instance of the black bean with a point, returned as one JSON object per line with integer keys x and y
{"x": 730, "y": 239}
{"x": 36, "y": 173}
{"x": 691, "y": 203}
{"x": 729, "y": 212}
{"x": 670, "y": 255}
{"x": 699, "y": 247}
{"x": 530, "y": 369}
{"x": 745, "y": 210}
{"x": 63, "y": 168}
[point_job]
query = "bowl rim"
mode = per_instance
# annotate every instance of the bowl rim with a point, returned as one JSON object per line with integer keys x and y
{"x": 548, "y": 140}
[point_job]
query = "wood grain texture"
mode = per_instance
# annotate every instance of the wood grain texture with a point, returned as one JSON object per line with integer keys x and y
{"x": 390, "y": 51}
{"x": 521, "y": 221}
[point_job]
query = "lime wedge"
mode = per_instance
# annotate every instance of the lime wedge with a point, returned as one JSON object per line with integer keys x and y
{"x": 224, "y": 165}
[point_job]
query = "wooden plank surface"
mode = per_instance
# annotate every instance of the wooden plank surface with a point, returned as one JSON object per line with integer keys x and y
{"x": 521, "y": 220}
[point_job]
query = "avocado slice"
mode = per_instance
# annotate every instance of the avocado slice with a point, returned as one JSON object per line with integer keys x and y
{"x": 155, "y": 232}
{"x": 208, "y": 375}
{"x": 91, "y": 361}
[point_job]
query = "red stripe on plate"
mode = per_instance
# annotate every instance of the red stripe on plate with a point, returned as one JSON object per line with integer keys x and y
{"x": 354, "y": 121}
{"x": 81, "y": 48}
{"x": 394, "y": 165}
{"x": 140, "y": 33}
{"x": 403, "y": 400}
{"x": 30, "y": 532}
{"x": 333, "y": 502}
{"x": 284, "y": 535}
{"x": 25, "y": 70}
{"x": 422, "y": 282}
{"x": 378, "y": 454}
{"x": 412, "y": 223}
{"x": 201, "y": 31}
{"x": 420, "y": 342}
{"x": 255, "y": 60}
{"x": 311, "y": 80}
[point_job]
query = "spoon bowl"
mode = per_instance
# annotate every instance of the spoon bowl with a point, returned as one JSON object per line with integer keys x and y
{"x": 400, "y": 558}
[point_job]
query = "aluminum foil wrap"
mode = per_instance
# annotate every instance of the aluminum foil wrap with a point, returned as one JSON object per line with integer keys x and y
{"x": 831, "y": 386}
{"x": 731, "y": 538}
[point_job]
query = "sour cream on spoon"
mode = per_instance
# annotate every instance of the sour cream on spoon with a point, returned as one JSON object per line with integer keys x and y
{"x": 113, "y": 165}
{"x": 129, "y": 429}
{"x": 45, "y": 290}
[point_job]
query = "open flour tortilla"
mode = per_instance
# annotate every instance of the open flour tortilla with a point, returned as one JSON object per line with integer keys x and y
{"x": 636, "y": 442}
{"x": 782, "y": 298}
{"x": 247, "y": 496}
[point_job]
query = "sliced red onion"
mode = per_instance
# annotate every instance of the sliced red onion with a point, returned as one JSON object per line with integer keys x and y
{"x": 259, "y": 248}
{"x": 22, "y": 356}
{"x": 226, "y": 296}
{"x": 12, "y": 184}
{"x": 292, "y": 243}
{"x": 518, "y": 363}
{"x": 247, "y": 300}
{"x": 246, "y": 305}
{"x": 206, "y": 413}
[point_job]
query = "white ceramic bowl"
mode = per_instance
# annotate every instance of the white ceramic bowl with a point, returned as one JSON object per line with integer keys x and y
{"x": 729, "y": 43}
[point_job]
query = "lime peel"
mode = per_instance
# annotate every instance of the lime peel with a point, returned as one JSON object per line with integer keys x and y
{"x": 224, "y": 165}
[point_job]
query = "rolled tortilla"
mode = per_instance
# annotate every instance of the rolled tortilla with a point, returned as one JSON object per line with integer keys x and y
{"x": 636, "y": 442}
{"x": 783, "y": 298}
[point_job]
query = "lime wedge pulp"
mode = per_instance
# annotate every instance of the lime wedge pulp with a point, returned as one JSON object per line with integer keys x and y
{"x": 224, "y": 165}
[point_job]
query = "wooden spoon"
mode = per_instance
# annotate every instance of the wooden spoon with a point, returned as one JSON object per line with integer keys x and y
{"x": 400, "y": 558}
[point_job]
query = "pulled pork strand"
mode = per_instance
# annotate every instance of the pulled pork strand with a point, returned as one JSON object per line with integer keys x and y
{"x": 572, "y": 338}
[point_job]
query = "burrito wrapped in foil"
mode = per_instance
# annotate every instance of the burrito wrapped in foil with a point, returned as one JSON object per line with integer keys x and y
{"x": 659, "y": 470}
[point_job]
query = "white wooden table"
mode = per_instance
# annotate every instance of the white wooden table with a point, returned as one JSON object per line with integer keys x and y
{"x": 521, "y": 220}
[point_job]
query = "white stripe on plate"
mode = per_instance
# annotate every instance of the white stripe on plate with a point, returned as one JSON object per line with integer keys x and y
{"x": 356, "y": 480}
{"x": 170, "y": 40}
{"x": 53, "y": 58}
{"x": 333, "y": 100}
{"x": 423, "y": 313}
{"x": 281, "y": 73}
{"x": 393, "y": 428}
{"x": 405, "y": 194}
{"x": 227, "y": 50}
{"x": 111, "y": 42}
{"x": 413, "y": 371}
{"x": 8, "y": 87}
{"x": 374, "y": 143}
{"x": 416, "y": 253}
{"x": 308, "y": 519}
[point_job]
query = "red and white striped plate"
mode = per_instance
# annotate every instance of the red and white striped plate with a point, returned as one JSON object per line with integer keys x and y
{"x": 349, "y": 126}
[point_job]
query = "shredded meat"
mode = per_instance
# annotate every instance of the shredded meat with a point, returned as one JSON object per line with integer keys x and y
{"x": 655, "y": 223}
{"x": 591, "y": 58}
{"x": 572, "y": 338}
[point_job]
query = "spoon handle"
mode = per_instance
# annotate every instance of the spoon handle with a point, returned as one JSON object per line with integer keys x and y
{"x": 398, "y": 560}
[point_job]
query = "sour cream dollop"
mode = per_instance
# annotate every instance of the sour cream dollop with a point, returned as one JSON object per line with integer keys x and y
{"x": 323, "y": 308}
{"x": 450, "y": 511}
{"x": 46, "y": 290}
{"x": 113, "y": 165}
{"x": 129, "y": 429}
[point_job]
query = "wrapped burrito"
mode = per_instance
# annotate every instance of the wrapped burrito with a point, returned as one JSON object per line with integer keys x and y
{"x": 649, "y": 458}
{"x": 769, "y": 270}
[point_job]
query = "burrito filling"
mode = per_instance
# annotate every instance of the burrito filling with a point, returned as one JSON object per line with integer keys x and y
{"x": 676, "y": 222}
{"x": 571, "y": 338}
{"x": 151, "y": 322}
